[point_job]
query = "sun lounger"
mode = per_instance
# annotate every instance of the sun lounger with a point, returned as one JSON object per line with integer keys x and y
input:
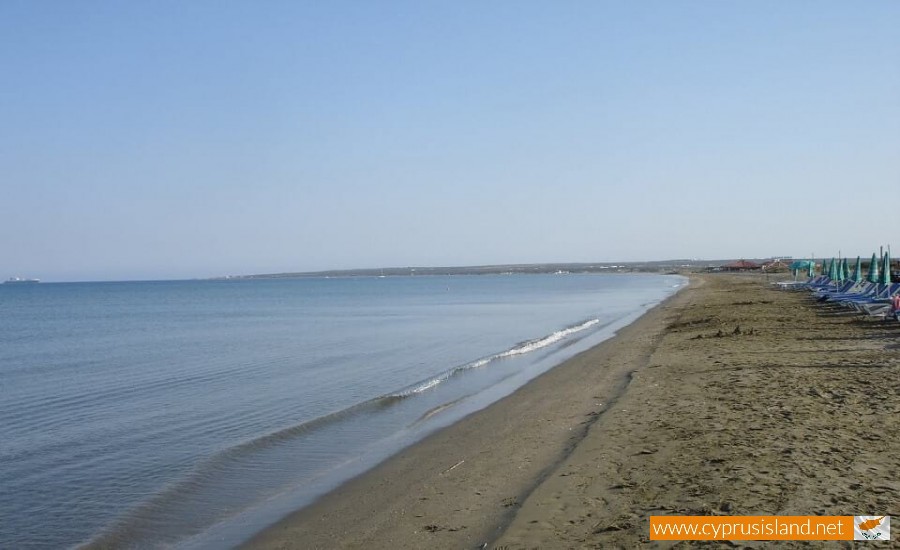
{"x": 842, "y": 288}
{"x": 884, "y": 293}
{"x": 859, "y": 290}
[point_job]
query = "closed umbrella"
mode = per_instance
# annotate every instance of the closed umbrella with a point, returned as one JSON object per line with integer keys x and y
{"x": 886, "y": 270}
{"x": 812, "y": 268}
{"x": 857, "y": 273}
{"x": 873, "y": 270}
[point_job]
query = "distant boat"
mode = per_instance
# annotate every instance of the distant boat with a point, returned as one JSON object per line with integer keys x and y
{"x": 19, "y": 281}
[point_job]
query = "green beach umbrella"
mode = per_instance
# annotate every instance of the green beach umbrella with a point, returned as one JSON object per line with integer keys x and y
{"x": 812, "y": 268}
{"x": 886, "y": 270}
{"x": 832, "y": 270}
{"x": 873, "y": 270}
{"x": 857, "y": 273}
{"x": 845, "y": 270}
{"x": 802, "y": 266}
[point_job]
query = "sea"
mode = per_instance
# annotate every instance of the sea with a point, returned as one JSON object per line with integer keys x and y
{"x": 193, "y": 414}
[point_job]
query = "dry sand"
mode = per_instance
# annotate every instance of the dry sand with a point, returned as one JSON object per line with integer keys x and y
{"x": 730, "y": 398}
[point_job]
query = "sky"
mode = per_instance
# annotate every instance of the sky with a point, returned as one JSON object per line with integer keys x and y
{"x": 172, "y": 139}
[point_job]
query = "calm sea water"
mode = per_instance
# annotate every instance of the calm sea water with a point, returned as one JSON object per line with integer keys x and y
{"x": 192, "y": 414}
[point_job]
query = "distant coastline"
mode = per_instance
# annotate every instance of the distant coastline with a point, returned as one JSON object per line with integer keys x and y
{"x": 664, "y": 266}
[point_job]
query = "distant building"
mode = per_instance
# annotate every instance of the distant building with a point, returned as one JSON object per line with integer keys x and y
{"x": 741, "y": 265}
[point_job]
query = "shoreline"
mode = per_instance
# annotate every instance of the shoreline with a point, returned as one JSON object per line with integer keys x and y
{"x": 729, "y": 398}
{"x": 466, "y": 466}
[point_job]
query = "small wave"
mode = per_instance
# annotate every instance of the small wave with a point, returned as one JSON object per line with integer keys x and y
{"x": 533, "y": 345}
{"x": 519, "y": 349}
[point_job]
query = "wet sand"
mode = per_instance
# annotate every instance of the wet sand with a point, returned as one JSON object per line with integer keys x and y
{"x": 730, "y": 398}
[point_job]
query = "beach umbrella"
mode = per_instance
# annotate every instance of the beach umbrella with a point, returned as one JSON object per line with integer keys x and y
{"x": 800, "y": 265}
{"x": 886, "y": 270}
{"x": 845, "y": 270}
{"x": 832, "y": 270}
{"x": 812, "y": 268}
{"x": 857, "y": 273}
{"x": 873, "y": 270}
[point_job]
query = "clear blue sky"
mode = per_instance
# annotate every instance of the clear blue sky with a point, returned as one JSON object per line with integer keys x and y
{"x": 169, "y": 139}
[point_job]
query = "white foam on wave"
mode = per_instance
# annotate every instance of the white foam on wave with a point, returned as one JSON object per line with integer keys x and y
{"x": 423, "y": 386}
{"x": 533, "y": 345}
{"x": 519, "y": 349}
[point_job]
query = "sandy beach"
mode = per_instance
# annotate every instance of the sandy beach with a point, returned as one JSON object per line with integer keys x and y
{"x": 730, "y": 398}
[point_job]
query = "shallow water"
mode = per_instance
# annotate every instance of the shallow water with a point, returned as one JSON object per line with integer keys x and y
{"x": 194, "y": 413}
